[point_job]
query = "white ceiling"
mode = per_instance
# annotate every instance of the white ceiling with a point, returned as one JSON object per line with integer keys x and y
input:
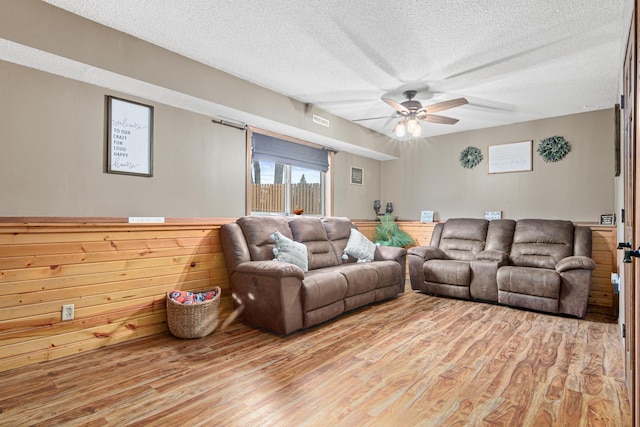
{"x": 514, "y": 60}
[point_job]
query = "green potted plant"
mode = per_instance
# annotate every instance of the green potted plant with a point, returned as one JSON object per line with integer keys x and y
{"x": 388, "y": 233}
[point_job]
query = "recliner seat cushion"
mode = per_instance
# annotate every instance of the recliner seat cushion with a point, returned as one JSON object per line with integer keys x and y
{"x": 389, "y": 273}
{"x": 447, "y": 271}
{"x": 360, "y": 279}
{"x": 321, "y": 288}
{"x": 538, "y": 282}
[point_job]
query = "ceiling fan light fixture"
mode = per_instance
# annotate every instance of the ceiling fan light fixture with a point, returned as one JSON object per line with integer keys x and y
{"x": 412, "y": 125}
{"x": 399, "y": 130}
{"x": 411, "y": 113}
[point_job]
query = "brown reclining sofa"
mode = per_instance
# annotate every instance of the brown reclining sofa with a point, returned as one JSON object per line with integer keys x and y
{"x": 282, "y": 297}
{"x": 538, "y": 264}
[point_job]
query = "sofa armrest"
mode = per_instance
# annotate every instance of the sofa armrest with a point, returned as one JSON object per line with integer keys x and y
{"x": 575, "y": 263}
{"x": 275, "y": 269}
{"x": 389, "y": 253}
{"x": 428, "y": 252}
{"x": 500, "y": 257}
{"x": 271, "y": 293}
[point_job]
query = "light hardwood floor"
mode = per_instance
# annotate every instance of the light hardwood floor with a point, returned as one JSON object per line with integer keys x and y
{"x": 415, "y": 360}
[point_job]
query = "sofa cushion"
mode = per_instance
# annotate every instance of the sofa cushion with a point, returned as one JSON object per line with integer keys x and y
{"x": 360, "y": 278}
{"x": 463, "y": 238}
{"x": 322, "y": 287}
{"x": 541, "y": 242}
{"x": 389, "y": 273}
{"x": 257, "y": 231}
{"x": 447, "y": 271}
{"x": 533, "y": 281}
{"x": 359, "y": 247}
{"x": 310, "y": 231}
{"x": 287, "y": 250}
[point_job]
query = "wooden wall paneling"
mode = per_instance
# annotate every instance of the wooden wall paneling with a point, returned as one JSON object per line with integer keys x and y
{"x": 604, "y": 254}
{"x": 116, "y": 275}
{"x": 421, "y": 232}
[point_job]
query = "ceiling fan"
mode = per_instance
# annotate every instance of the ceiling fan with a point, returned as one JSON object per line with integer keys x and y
{"x": 411, "y": 111}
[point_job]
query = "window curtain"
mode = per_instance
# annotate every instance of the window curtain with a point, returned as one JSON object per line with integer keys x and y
{"x": 273, "y": 149}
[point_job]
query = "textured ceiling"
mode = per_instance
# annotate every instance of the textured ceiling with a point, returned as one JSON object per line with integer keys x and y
{"x": 514, "y": 60}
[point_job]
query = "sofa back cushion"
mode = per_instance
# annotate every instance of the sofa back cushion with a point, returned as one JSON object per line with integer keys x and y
{"x": 257, "y": 231}
{"x": 541, "y": 242}
{"x": 500, "y": 235}
{"x": 338, "y": 231}
{"x": 582, "y": 241}
{"x": 463, "y": 238}
{"x": 310, "y": 231}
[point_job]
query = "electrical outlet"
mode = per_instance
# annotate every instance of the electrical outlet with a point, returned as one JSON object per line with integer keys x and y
{"x": 67, "y": 311}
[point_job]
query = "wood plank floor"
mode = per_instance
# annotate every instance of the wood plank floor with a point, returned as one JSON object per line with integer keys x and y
{"x": 412, "y": 361}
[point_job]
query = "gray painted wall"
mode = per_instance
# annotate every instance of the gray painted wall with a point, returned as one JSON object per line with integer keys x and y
{"x": 53, "y": 136}
{"x": 578, "y": 188}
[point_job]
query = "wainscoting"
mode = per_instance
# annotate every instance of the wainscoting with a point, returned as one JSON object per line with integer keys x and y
{"x": 117, "y": 274}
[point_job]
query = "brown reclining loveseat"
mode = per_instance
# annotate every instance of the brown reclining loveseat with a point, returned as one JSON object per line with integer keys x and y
{"x": 537, "y": 264}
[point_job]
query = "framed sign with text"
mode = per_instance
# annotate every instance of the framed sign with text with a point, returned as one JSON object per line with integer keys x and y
{"x": 514, "y": 157}
{"x": 130, "y": 137}
{"x": 608, "y": 219}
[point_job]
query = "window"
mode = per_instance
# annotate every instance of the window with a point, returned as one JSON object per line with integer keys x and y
{"x": 286, "y": 177}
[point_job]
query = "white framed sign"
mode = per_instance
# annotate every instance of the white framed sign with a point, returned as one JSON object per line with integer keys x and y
{"x": 514, "y": 157}
{"x": 491, "y": 215}
{"x": 130, "y": 137}
{"x": 426, "y": 216}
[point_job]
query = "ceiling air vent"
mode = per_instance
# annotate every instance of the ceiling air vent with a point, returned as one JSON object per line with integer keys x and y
{"x": 320, "y": 120}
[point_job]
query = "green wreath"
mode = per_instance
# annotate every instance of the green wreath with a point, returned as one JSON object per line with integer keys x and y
{"x": 554, "y": 148}
{"x": 470, "y": 157}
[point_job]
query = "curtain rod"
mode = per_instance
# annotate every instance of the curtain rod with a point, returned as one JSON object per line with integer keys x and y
{"x": 238, "y": 125}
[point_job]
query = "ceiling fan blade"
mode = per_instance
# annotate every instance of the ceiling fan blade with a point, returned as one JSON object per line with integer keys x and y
{"x": 445, "y": 105}
{"x": 399, "y": 107}
{"x": 372, "y": 118}
{"x": 438, "y": 119}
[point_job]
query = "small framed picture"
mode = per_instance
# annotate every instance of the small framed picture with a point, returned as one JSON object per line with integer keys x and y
{"x": 608, "y": 219}
{"x": 357, "y": 176}
{"x": 426, "y": 216}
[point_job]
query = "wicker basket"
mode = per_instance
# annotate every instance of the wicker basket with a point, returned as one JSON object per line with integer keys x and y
{"x": 193, "y": 320}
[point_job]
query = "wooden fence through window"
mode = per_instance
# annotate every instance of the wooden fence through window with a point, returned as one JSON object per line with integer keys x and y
{"x": 271, "y": 198}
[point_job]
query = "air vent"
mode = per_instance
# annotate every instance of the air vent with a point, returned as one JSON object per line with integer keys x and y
{"x": 320, "y": 120}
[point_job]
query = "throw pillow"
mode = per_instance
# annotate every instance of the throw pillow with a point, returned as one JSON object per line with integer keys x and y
{"x": 359, "y": 247}
{"x": 290, "y": 251}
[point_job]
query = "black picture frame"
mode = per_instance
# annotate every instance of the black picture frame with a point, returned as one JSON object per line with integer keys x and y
{"x": 608, "y": 219}
{"x": 129, "y": 137}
